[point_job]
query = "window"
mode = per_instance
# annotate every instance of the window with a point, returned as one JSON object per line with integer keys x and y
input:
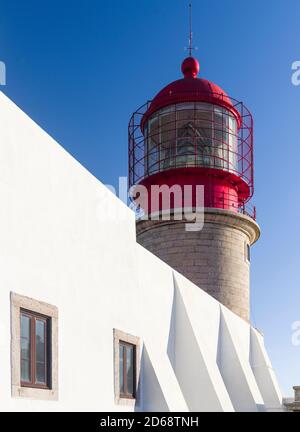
{"x": 248, "y": 252}
{"x": 127, "y": 370}
{"x": 126, "y": 367}
{"x": 35, "y": 352}
{"x": 34, "y": 348}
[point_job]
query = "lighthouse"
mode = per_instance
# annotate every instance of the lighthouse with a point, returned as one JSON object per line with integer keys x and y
{"x": 193, "y": 134}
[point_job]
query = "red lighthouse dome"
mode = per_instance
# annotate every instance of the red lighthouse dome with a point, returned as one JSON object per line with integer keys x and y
{"x": 191, "y": 89}
{"x": 193, "y": 133}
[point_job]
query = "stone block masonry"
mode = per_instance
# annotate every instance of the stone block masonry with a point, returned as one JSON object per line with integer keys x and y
{"x": 214, "y": 258}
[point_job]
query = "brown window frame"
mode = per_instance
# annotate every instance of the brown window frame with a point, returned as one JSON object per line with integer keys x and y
{"x": 34, "y": 316}
{"x": 127, "y": 395}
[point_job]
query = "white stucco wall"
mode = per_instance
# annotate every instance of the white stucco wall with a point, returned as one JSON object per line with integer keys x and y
{"x": 68, "y": 241}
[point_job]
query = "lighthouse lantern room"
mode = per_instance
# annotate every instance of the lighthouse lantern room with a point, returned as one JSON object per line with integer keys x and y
{"x": 193, "y": 133}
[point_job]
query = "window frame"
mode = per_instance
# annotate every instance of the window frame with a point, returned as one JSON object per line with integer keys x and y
{"x": 126, "y": 394}
{"x": 34, "y": 316}
{"x": 19, "y": 302}
{"x": 126, "y": 338}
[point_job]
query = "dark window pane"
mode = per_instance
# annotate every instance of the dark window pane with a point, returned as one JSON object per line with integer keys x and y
{"x": 130, "y": 369}
{"x": 25, "y": 326}
{"x": 121, "y": 373}
{"x": 25, "y": 370}
{"x": 25, "y": 349}
{"x": 40, "y": 373}
{"x": 40, "y": 340}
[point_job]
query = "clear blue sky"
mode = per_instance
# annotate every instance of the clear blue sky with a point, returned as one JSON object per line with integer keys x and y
{"x": 79, "y": 69}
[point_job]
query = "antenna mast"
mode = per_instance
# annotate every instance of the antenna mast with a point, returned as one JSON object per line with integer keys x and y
{"x": 191, "y": 32}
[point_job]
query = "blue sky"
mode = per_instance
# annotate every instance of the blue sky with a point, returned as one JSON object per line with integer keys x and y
{"x": 80, "y": 68}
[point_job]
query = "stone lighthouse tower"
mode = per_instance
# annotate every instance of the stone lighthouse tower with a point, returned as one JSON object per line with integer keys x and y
{"x": 192, "y": 133}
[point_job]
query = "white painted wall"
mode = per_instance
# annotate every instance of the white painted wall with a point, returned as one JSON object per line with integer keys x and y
{"x": 66, "y": 240}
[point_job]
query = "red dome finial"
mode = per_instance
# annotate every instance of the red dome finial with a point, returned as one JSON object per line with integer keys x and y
{"x": 190, "y": 67}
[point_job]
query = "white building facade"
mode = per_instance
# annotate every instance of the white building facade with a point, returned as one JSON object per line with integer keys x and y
{"x": 70, "y": 261}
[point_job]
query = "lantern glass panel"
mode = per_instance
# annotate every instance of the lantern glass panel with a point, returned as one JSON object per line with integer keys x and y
{"x": 191, "y": 135}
